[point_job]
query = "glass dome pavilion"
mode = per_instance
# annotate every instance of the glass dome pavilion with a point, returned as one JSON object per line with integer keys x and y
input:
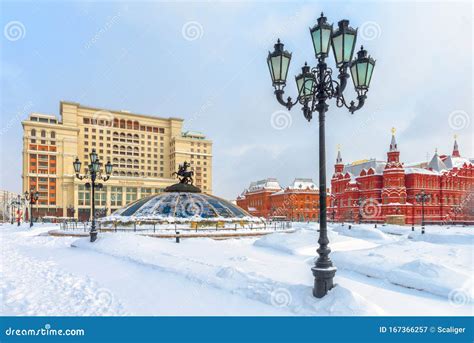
{"x": 181, "y": 207}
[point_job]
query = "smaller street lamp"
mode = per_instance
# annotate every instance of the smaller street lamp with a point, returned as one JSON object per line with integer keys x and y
{"x": 32, "y": 197}
{"x": 422, "y": 197}
{"x": 456, "y": 209}
{"x": 93, "y": 173}
{"x": 72, "y": 210}
{"x": 360, "y": 202}
{"x": 16, "y": 204}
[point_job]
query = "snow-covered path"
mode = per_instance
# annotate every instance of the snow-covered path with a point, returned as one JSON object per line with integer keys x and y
{"x": 43, "y": 275}
{"x": 38, "y": 286}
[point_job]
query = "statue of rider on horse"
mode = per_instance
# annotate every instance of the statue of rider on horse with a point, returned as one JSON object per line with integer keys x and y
{"x": 184, "y": 176}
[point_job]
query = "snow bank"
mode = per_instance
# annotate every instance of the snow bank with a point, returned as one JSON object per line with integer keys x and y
{"x": 166, "y": 257}
{"x": 447, "y": 236}
{"x": 295, "y": 243}
{"x": 363, "y": 232}
{"x": 413, "y": 265}
{"x": 34, "y": 287}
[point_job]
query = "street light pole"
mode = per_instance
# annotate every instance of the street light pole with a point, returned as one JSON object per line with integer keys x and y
{"x": 422, "y": 197}
{"x": 316, "y": 86}
{"x": 360, "y": 202}
{"x": 32, "y": 197}
{"x": 12, "y": 206}
{"x": 93, "y": 173}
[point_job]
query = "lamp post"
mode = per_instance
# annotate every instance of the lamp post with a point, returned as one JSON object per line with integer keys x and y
{"x": 93, "y": 173}
{"x": 360, "y": 202}
{"x": 18, "y": 203}
{"x": 456, "y": 209}
{"x": 12, "y": 214}
{"x": 316, "y": 86}
{"x": 71, "y": 210}
{"x": 422, "y": 197}
{"x": 32, "y": 197}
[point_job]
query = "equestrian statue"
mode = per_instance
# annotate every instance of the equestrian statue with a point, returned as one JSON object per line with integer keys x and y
{"x": 184, "y": 175}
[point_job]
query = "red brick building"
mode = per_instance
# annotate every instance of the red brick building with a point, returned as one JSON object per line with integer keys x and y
{"x": 266, "y": 198}
{"x": 385, "y": 191}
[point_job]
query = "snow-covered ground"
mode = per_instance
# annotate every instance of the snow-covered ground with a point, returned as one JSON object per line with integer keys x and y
{"x": 388, "y": 270}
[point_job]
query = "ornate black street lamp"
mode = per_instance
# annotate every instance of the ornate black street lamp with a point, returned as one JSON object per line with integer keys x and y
{"x": 422, "y": 197}
{"x": 93, "y": 173}
{"x": 32, "y": 197}
{"x": 315, "y": 87}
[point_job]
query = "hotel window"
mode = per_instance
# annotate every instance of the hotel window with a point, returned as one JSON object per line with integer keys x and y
{"x": 101, "y": 196}
{"x": 116, "y": 196}
{"x": 131, "y": 194}
{"x": 84, "y": 196}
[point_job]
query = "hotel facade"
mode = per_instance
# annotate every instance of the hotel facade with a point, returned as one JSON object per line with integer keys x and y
{"x": 145, "y": 152}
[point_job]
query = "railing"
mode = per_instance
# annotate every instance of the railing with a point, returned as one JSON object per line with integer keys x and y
{"x": 160, "y": 227}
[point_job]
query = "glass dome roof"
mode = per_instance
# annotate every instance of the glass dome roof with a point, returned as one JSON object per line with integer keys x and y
{"x": 181, "y": 206}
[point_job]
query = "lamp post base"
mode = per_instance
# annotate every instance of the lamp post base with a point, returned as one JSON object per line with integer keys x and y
{"x": 93, "y": 236}
{"x": 323, "y": 280}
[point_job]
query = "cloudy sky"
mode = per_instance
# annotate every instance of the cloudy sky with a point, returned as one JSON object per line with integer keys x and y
{"x": 206, "y": 62}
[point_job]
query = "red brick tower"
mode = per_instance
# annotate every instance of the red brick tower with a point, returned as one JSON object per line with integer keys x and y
{"x": 456, "y": 148}
{"x": 339, "y": 166}
{"x": 394, "y": 192}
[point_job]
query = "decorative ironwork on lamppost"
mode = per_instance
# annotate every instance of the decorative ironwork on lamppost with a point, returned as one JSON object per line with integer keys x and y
{"x": 316, "y": 86}
{"x": 423, "y": 197}
{"x": 93, "y": 173}
{"x": 32, "y": 197}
